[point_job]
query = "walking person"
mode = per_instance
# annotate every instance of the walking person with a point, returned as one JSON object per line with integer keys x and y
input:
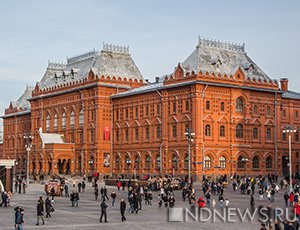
{"x": 103, "y": 192}
{"x": 66, "y": 188}
{"x": 122, "y": 209}
{"x": 48, "y": 207}
{"x": 24, "y": 187}
{"x": 79, "y": 187}
{"x": 113, "y": 196}
{"x": 83, "y": 186}
{"x": 40, "y": 211}
{"x": 76, "y": 198}
{"x": 96, "y": 193}
{"x": 103, "y": 211}
{"x": 286, "y": 198}
{"x": 19, "y": 215}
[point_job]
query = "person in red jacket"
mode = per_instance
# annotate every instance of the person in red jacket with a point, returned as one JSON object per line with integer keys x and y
{"x": 201, "y": 203}
{"x": 297, "y": 209}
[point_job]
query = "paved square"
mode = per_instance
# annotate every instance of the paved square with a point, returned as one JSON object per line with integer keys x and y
{"x": 86, "y": 216}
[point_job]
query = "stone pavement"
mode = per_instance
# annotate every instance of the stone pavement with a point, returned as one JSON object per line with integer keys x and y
{"x": 86, "y": 216}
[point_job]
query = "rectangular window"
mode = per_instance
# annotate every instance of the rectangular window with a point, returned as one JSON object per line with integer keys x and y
{"x": 136, "y": 112}
{"x": 174, "y": 131}
{"x": 92, "y": 136}
{"x": 117, "y": 135}
{"x": 296, "y": 115}
{"x": 284, "y": 136}
{"x": 147, "y": 110}
{"x": 187, "y": 127}
{"x": 81, "y": 138}
{"x": 147, "y": 133}
{"x": 136, "y": 134}
{"x": 126, "y": 135}
{"x": 117, "y": 115}
{"x": 158, "y": 109}
{"x": 296, "y": 136}
{"x": 174, "y": 107}
{"x": 187, "y": 105}
{"x": 284, "y": 113}
{"x": 126, "y": 113}
{"x": 158, "y": 132}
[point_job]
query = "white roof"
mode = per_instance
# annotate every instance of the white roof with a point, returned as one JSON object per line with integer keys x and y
{"x": 51, "y": 138}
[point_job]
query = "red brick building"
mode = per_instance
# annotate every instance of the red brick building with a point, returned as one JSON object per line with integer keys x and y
{"x": 236, "y": 111}
{"x": 96, "y": 113}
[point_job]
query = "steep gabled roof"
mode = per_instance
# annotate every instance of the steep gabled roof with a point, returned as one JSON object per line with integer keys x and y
{"x": 225, "y": 58}
{"x": 22, "y": 102}
{"x": 111, "y": 61}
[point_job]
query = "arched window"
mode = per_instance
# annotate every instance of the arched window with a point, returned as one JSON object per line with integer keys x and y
{"x": 255, "y": 163}
{"x": 269, "y": 163}
{"x": 222, "y": 131}
{"x": 48, "y": 123}
{"x": 137, "y": 162}
{"x": 239, "y": 105}
{"x": 255, "y": 133}
{"x": 72, "y": 119}
{"x": 186, "y": 162}
{"x": 127, "y": 162}
{"x": 268, "y": 111}
{"x": 207, "y": 130}
{"x": 222, "y": 106}
{"x": 222, "y": 162}
{"x": 55, "y": 121}
{"x": 175, "y": 162}
{"x": 241, "y": 163}
{"x": 207, "y": 105}
{"x": 207, "y": 162}
{"x": 157, "y": 162}
{"x": 148, "y": 162}
{"x": 63, "y": 120}
{"x": 117, "y": 163}
{"x": 81, "y": 118}
{"x": 239, "y": 131}
{"x": 255, "y": 109}
{"x": 268, "y": 134}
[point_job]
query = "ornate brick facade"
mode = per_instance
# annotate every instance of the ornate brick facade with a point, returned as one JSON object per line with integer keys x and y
{"x": 97, "y": 114}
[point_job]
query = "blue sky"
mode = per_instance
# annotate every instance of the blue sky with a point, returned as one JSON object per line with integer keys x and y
{"x": 160, "y": 34}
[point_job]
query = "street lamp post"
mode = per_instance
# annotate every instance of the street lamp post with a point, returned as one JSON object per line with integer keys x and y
{"x": 91, "y": 163}
{"x": 190, "y": 135}
{"x": 28, "y": 138}
{"x": 244, "y": 160}
{"x": 128, "y": 163}
{"x": 288, "y": 129}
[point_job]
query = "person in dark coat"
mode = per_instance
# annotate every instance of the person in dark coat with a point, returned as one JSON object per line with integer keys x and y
{"x": 83, "y": 186}
{"x": 96, "y": 193}
{"x": 103, "y": 211}
{"x": 19, "y": 214}
{"x": 122, "y": 209}
{"x": 40, "y": 211}
{"x": 76, "y": 198}
{"x": 66, "y": 187}
{"x": 103, "y": 192}
{"x": 48, "y": 207}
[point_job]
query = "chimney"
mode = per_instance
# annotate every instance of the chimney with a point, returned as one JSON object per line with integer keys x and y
{"x": 284, "y": 84}
{"x": 157, "y": 79}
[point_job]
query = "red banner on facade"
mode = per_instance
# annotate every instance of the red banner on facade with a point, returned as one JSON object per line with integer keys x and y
{"x": 106, "y": 133}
